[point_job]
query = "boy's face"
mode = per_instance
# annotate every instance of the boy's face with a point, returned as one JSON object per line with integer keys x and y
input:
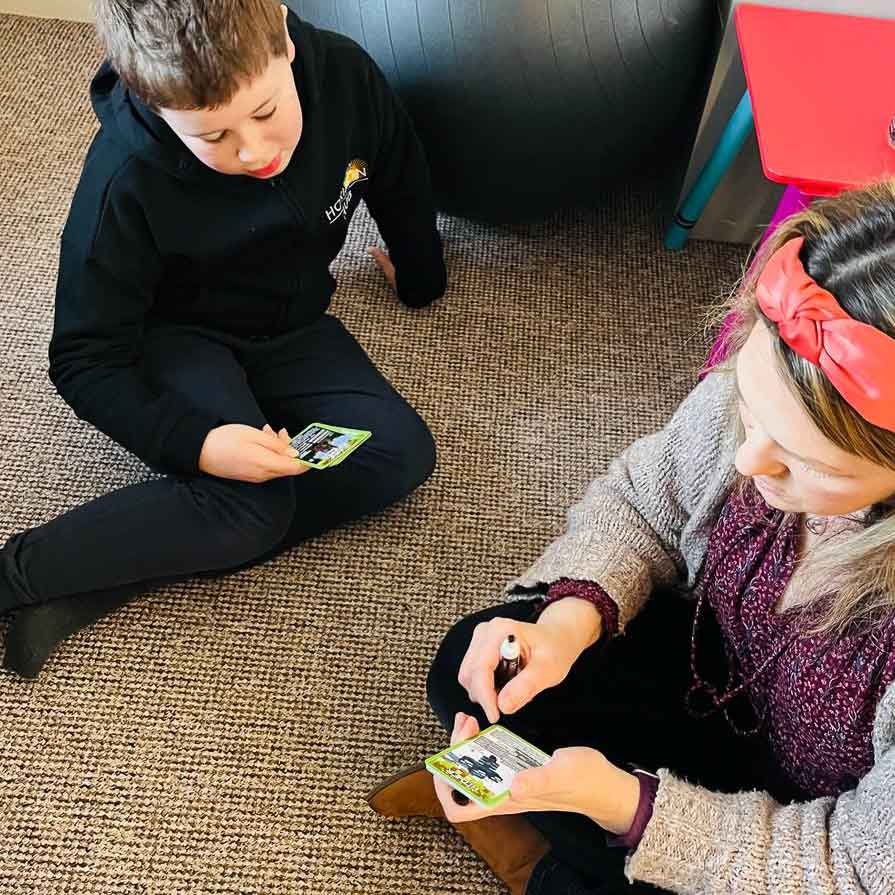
{"x": 256, "y": 132}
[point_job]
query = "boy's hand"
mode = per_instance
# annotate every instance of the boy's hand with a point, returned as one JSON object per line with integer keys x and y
{"x": 385, "y": 265}
{"x": 248, "y": 454}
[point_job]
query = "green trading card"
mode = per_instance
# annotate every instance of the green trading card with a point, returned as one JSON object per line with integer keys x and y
{"x": 320, "y": 445}
{"x": 483, "y": 766}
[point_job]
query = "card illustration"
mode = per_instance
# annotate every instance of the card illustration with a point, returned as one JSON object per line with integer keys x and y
{"x": 483, "y": 767}
{"x": 321, "y": 446}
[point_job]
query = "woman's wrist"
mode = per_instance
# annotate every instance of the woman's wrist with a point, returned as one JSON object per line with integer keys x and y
{"x": 577, "y": 619}
{"x": 589, "y": 591}
{"x": 617, "y": 801}
{"x": 649, "y": 786}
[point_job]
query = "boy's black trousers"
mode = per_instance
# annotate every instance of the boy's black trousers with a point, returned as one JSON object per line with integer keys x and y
{"x": 163, "y": 529}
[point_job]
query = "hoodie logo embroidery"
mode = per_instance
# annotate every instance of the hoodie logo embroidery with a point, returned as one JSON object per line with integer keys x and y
{"x": 355, "y": 173}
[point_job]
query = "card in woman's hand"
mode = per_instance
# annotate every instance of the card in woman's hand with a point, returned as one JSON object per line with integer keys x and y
{"x": 483, "y": 766}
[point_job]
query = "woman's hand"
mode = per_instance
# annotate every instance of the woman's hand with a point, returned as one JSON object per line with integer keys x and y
{"x": 550, "y": 648}
{"x": 576, "y": 779}
{"x": 235, "y": 451}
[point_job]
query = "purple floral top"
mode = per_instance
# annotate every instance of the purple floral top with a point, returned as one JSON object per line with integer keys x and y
{"x": 818, "y": 698}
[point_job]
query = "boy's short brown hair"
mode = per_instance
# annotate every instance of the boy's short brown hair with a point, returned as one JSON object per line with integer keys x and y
{"x": 189, "y": 54}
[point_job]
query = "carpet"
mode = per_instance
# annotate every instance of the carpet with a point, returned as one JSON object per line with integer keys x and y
{"x": 218, "y": 736}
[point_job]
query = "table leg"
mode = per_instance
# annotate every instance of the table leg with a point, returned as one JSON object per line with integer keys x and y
{"x": 730, "y": 143}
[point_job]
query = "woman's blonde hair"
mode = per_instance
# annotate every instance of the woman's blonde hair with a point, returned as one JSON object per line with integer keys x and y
{"x": 849, "y": 250}
{"x": 189, "y": 54}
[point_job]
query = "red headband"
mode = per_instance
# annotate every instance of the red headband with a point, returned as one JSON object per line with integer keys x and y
{"x": 858, "y": 360}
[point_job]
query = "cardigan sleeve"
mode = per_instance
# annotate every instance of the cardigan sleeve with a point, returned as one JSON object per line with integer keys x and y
{"x": 698, "y": 841}
{"x": 646, "y": 521}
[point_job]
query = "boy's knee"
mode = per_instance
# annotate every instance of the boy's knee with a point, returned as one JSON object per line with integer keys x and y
{"x": 415, "y": 455}
{"x": 420, "y": 454}
{"x": 251, "y": 519}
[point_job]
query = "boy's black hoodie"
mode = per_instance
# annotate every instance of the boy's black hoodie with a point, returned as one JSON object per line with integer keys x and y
{"x": 154, "y": 236}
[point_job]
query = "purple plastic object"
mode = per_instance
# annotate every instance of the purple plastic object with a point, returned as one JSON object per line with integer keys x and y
{"x": 792, "y": 201}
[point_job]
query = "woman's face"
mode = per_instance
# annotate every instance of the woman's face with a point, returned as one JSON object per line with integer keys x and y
{"x": 794, "y": 467}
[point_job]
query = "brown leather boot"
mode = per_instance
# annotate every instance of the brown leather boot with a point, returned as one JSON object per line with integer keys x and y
{"x": 507, "y": 843}
{"x": 409, "y": 793}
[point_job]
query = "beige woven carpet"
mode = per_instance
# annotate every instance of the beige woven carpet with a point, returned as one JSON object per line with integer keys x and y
{"x": 218, "y": 737}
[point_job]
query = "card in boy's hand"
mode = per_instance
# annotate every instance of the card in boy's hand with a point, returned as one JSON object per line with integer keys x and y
{"x": 483, "y": 766}
{"x": 321, "y": 445}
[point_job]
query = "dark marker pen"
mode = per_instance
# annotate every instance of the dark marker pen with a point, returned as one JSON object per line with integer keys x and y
{"x": 511, "y": 662}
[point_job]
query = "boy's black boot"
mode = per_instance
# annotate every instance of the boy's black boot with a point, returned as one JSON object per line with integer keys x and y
{"x": 34, "y": 631}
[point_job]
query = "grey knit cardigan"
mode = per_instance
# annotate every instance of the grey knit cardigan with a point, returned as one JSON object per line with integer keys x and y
{"x": 647, "y": 522}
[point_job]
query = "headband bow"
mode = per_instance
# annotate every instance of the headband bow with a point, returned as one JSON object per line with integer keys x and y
{"x": 858, "y": 359}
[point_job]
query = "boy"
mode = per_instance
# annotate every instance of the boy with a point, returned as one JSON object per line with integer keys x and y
{"x": 235, "y": 144}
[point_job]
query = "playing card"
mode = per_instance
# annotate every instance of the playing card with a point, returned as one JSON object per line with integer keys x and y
{"x": 483, "y": 766}
{"x": 321, "y": 446}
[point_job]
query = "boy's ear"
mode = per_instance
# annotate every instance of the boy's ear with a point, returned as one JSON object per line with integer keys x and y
{"x": 290, "y": 47}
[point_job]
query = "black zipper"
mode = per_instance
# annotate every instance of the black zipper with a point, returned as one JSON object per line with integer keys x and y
{"x": 277, "y": 184}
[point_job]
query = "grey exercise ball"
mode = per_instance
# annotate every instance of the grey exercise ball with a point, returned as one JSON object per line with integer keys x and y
{"x": 527, "y": 106}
